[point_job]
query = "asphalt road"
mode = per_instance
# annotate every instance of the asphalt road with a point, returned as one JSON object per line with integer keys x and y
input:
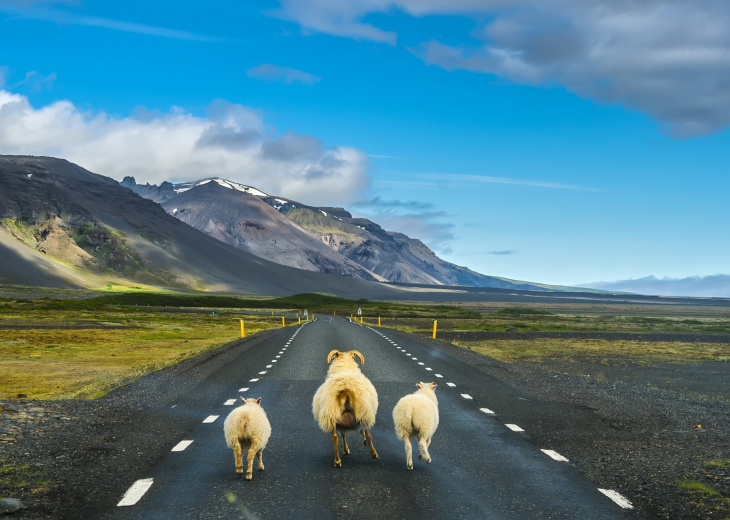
{"x": 481, "y": 467}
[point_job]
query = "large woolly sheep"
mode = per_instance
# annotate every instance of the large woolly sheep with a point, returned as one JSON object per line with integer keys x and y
{"x": 247, "y": 428}
{"x": 346, "y": 401}
{"x": 417, "y": 415}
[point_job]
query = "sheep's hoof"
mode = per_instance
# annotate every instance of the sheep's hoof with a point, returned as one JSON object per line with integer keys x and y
{"x": 410, "y": 466}
{"x": 420, "y": 456}
{"x": 239, "y": 471}
{"x": 249, "y": 476}
{"x": 338, "y": 463}
{"x": 261, "y": 467}
{"x": 374, "y": 455}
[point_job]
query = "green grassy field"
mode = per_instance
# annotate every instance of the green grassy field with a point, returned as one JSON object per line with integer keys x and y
{"x": 83, "y": 347}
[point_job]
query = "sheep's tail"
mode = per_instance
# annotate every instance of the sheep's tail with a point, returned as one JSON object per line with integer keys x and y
{"x": 233, "y": 431}
{"x": 404, "y": 426}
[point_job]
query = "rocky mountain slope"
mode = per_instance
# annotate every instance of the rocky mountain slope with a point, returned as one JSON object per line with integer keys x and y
{"x": 61, "y": 225}
{"x": 245, "y": 221}
{"x": 294, "y": 234}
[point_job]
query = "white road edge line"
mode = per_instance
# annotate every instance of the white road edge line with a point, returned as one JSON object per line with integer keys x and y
{"x": 210, "y": 418}
{"x": 487, "y": 411}
{"x": 135, "y": 492}
{"x": 514, "y": 427}
{"x": 617, "y": 497}
{"x": 554, "y": 455}
{"x": 180, "y": 446}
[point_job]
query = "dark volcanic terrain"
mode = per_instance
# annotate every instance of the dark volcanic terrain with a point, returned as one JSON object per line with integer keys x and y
{"x": 644, "y": 441}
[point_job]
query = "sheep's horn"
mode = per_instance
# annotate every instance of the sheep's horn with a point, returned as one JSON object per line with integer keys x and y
{"x": 356, "y": 353}
{"x": 332, "y": 354}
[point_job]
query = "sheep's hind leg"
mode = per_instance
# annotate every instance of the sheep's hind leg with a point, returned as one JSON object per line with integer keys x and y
{"x": 409, "y": 454}
{"x": 249, "y": 470}
{"x": 238, "y": 456}
{"x": 423, "y": 450}
{"x": 345, "y": 447}
{"x": 261, "y": 460}
{"x": 338, "y": 461}
{"x": 369, "y": 442}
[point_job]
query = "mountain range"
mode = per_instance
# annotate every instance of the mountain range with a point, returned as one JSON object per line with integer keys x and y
{"x": 63, "y": 226}
{"x": 323, "y": 239}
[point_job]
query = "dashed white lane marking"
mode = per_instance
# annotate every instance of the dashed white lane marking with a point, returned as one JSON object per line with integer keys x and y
{"x": 243, "y": 389}
{"x": 438, "y": 375}
{"x": 253, "y": 380}
{"x": 421, "y": 363}
{"x": 617, "y": 497}
{"x": 180, "y": 446}
{"x": 450, "y": 384}
{"x": 135, "y": 492}
{"x": 514, "y": 427}
{"x": 173, "y": 406}
{"x": 281, "y": 352}
{"x": 429, "y": 369}
{"x": 230, "y": 402}
{"x": 277, "y": 357}
{"x": 486, "y": 411}
{"x": 262, "y": 372}
{"x": 466, "y": 396}
{"x": 274, "y": 360}
{"x": 269, "y": 366}
{"x": 210, "y": 418}
{"x": 554, "y": 455}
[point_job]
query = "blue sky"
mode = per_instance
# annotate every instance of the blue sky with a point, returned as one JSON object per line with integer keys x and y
{"x": 579, "y": 144}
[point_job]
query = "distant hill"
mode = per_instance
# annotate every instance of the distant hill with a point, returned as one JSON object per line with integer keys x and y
{"x": 322, "y": 239}
{"x": 63, "y": 226}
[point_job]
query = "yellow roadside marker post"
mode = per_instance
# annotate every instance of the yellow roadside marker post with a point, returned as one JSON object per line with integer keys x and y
{"x": 300, "y": 320}
{"x": 243, "y": 331}
{"x": 282, "y": 322}
{"x": 360, "y": 320}
{"x": 434, "y": 328}
{"x": 378, "y": 321}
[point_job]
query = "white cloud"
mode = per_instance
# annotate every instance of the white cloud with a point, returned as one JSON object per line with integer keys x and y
{"x": 337, "y": 18}
{"x": 45, "y": 10}
{"x": 669, "y": 60}
{"x": 232, "y": 141}
{"x": 285, "y": 75}
{"x": 717, "y": 286}
{"x": 36, "y": 82}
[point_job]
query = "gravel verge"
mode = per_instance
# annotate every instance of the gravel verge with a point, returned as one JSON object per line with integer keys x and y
{"x": 647, "y": 437}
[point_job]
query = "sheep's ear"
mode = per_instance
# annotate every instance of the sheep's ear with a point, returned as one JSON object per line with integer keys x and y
{"x": 333, "y": 353}
{"x": 258, "y": 401}
{"x": 419, "y": 385}
{"x": 433, "y": 386}
{"x": 355, "y": 353}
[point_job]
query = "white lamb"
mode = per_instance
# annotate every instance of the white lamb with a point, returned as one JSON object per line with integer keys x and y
{"x": 346, "y": 401}
{"x": 247, "y": 427}
{"x": 417, "y": 415}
